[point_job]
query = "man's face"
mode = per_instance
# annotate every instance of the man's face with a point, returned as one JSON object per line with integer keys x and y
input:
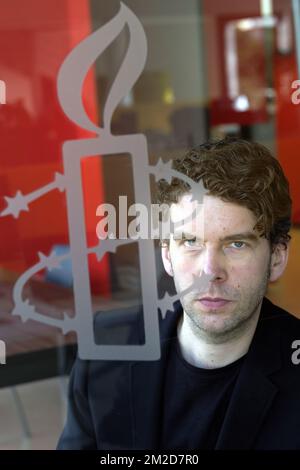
{"x": 221, "y": 244}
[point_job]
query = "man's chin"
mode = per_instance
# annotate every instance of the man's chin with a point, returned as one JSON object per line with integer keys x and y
{"x": 216, "y": 323}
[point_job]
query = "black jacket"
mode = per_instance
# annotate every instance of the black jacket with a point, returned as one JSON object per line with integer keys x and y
{"x": 116, "y": 404}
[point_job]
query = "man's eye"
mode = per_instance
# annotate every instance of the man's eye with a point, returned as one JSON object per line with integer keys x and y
{"x": 238, "y": 245}
{"x": 190, "y": 242}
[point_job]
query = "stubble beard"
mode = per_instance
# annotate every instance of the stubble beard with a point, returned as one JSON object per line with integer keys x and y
{"x": 236, "y": 324}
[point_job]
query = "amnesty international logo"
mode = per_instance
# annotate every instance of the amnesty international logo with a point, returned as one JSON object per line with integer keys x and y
{"x": 69, "y": 86}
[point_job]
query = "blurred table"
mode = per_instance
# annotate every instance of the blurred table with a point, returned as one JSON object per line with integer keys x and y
{"x": 35, "y": 351}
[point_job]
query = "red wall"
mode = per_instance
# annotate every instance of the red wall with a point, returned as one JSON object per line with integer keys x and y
{"x": 35, "y": 37}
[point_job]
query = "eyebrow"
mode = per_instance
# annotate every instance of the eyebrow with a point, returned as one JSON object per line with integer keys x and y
{"x": 234, "y": 236}
{"x": 244, "y": 235}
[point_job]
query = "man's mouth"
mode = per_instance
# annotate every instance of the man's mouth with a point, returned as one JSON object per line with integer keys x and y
{"x": 213, "y": 302}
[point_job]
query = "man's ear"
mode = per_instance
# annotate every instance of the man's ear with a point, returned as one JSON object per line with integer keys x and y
{"x": 165, "y": 254}
{"x": 279, "y": 259}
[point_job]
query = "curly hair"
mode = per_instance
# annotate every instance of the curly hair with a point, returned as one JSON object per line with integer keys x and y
{"x": 241, "y": 172}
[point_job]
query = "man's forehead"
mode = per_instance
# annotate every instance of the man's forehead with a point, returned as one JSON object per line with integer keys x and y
{"x": 213, "y": 216}
{"x": 209, "y": 204}
{"x": 185, "y": 206}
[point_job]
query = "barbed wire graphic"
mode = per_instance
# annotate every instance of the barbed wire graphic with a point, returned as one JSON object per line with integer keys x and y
{"x": 20, "y": 202}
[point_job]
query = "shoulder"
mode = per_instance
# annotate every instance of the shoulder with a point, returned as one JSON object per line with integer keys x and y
{"x": 127, "y": 325}
{"x": 285, "y": 328}
{"x": 278, "y": 317}
{"x": 124, "y": 326}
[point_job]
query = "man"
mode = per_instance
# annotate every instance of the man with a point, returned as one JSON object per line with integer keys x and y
{"x": 226, "y": 379}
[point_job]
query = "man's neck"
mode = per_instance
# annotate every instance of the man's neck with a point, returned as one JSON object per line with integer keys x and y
{"x": 200, "y": 351}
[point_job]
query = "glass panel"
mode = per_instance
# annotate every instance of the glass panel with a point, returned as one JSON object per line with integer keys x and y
{"x": 94, "y": 98}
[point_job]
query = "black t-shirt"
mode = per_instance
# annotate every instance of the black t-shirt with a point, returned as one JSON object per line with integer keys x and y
{"x": 195, "y": 402}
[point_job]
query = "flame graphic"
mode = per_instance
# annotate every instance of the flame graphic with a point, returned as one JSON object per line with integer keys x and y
{"x": 76, "y": 65}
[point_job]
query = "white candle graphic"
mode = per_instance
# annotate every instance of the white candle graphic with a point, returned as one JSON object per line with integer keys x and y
{"x": 70, "y": 81}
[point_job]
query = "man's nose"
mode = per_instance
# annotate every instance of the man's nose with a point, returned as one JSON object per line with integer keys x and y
{"x": 213, "y": 264}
